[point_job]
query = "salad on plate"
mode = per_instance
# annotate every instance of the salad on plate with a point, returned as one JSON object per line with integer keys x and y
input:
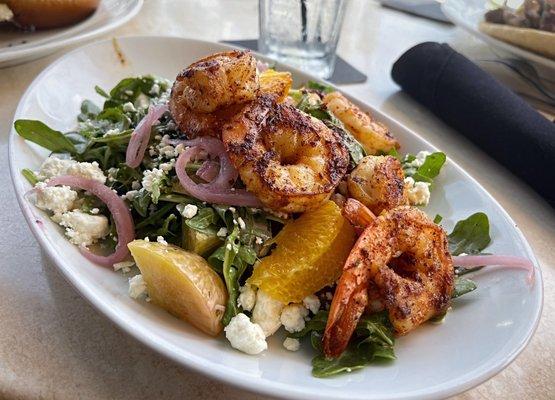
{"x": 241, "y": 206}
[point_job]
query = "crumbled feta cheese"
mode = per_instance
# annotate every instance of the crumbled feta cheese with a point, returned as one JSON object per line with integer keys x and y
{"x": 137, "y": 287}
{"x": 228, "y": 247}
{"x": 57, "y": 199}
{"x": 84, "y": 229}
{"x": 242, "y": 224}
{"x": 312, "y": 302}
{"x": 167, "y": 166}
{"x": 180, "y": 148}
{"x": 125, "y": 266}
{"x": 420, "y": 158}
{"x": 146, "y": 239}
{"x": 266, "y": 312}
{"x": 167, "y": 151}
{"x": 418, "y": 192}
{"x": 232, "y": 209}
{"x": 54, "y": 166}
{"x": 161, "y": 240}
{"x": 258, "y": 240}
{"x": 292, "y": 317}
{"x": 87, "y": 170}
{"x": 130, "y": 195}
{"x": 5, "y": 13}
{"x": 222, "y": 232}
{"x": 152, "y": 177}
{"x": 95, "y": 210}
{"x": 127, "y": 107}
{"x": 292, "y": 344}
{"x": 245, "y": 336}
{"x": 154, "y": 90}
{"x": 189, "y": 211}
{"x": 112, "y": 132}
{"x": 129, "y": 92}
{"x": 247, "y": 298}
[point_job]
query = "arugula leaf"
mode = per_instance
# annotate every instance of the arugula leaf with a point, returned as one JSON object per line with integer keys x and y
{"x": 203, "y": 221}
{"x": 350, "y": 360}
{"x": 88, "y": 110}
{"x": 319, "y": 111}
{"x": 377, "y": 329}
{"x": 155, "y": 217}
{"x": 165, "y": 230}
{"x": 373, "y": 341}
{"x": 429, "y": 169}
{"x": 80, "y": 142}
{"x": 41, "y": 134}
{"x": 101, "y": 92}
{"x": 463, "y": 286}
{"x": 356, "y": 151}
{"x": 470, "y": 235}
{"x": 141, "y": 201}
{"x": 316, "y": 324}
{"x": 231, "y": 276}
{"x": 320, "y": 87}
{"x": 30, "y": 176}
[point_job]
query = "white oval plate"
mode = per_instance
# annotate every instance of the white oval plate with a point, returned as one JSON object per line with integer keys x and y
{"x": 469, "y": 13}
{"x": 485, "y": 331}
{"x": 17, "y": 47}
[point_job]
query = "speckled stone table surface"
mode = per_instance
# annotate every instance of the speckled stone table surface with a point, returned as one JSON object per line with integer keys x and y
{"x": 54, "y": 345}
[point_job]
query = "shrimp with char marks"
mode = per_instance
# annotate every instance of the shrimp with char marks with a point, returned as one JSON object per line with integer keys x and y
{"x": 292, "y": 162}
{"x": 210, "y": 91}
{"x": 405, "y": 255}
{"x": 378, "y": 183}
{"x": 373, "y": 135}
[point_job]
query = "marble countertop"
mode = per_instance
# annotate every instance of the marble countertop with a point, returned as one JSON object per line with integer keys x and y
{"x": 54, "y": 345}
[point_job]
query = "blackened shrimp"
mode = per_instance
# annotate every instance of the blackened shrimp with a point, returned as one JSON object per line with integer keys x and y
{"x": 378, "y": 183}
{"x": 210, "y": 91}
{"x": 373, "y": 135}
{"x": 291, "y": 161}
{"x": 405, "y": 256}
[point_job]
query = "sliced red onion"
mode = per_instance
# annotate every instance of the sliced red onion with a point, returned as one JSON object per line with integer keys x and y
{"x": 496, "y": 261}
{"x": 227, "y": 173}
{"x": 121, "y": 214}
{"x": 219, "y": 190}
{"x": 208, "y": 171}
{"x": 262, "y": 66}
{"x": 141, "y": 135}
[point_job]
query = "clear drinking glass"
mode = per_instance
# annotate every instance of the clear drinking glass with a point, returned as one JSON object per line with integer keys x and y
{"x": 303, "y": 33}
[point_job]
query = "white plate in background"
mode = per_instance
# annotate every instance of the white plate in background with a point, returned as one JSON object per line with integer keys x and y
{"x": 17, "y": 46}
{"x": 469, "y": 13}
{"x": 483, "y": 333}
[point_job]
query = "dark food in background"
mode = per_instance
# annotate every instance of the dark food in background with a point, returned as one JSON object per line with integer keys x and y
{"x": 534, "y": 14}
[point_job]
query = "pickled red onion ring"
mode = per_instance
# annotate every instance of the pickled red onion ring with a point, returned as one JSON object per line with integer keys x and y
{"x": 496, "y": 261}
{"x": 122, "y": 216}
{"x": 219, "y": 190}
{"x": 141, "y": 135}
{"x": 208, "y": 171}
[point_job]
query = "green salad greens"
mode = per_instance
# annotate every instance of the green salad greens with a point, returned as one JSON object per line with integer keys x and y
{"x": 231, "y": 239}
{"x": 156, "y": 200}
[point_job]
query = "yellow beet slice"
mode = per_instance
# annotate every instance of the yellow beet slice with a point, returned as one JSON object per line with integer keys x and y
{"x": 310, "y": 255}
{"x": 182, "y": 283}
{"x": 275, "y": 82}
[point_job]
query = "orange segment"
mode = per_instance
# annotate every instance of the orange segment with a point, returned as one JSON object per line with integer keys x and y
{"x": 310, "y": 254}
